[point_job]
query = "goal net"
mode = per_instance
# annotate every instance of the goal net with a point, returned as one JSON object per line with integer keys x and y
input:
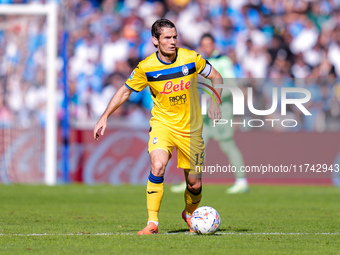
{"x": 27, "y": 94}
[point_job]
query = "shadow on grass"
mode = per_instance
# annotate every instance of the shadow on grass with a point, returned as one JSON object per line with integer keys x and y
{"x": 223, "y": 230}
{"x": 232, "y": 229}
{"x": 178, "y": 231}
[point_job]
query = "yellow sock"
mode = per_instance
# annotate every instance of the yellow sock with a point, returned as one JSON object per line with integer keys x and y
{"x": 191, "y": 201}
{"x": 154, "y": 195}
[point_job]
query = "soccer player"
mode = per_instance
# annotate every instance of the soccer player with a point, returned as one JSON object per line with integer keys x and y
{"x": 223, "y": 134}
{"x": 173, "y": 124}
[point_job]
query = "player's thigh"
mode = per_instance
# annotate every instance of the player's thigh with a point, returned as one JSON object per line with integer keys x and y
{"x": 190, "y": 153}
{"x": 160, "y": 148}
{"x": 160, "y": 139}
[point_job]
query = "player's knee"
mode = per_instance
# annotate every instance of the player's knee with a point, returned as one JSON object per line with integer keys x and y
{"x": 157, "y": 168}
{"x": 195, "y": 187}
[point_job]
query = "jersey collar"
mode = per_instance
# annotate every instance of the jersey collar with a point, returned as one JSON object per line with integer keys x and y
{"x": 165, "y": 62}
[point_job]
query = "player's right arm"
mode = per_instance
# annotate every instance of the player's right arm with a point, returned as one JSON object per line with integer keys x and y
{"x": 117, "y": 100}
{"x": 136, "y": 82}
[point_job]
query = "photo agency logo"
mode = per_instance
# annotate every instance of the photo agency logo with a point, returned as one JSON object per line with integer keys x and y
{"x": 204, "y": 97}
{"x": 282, "y": 99}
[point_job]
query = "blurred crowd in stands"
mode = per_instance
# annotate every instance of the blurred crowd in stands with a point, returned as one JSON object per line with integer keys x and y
{"x": 296, "y": 43}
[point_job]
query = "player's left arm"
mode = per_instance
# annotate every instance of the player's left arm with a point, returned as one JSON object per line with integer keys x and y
{"x": 205, "y": 69}
{"x": 214, "y": 111}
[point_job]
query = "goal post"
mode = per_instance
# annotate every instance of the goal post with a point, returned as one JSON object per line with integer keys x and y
{"x": 50, "y": 11}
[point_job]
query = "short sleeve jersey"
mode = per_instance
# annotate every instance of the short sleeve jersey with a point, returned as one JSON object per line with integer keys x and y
{"x": 170, "y": 89}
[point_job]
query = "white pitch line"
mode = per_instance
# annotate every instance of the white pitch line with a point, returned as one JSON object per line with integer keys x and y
{"x": 175, "y": 233}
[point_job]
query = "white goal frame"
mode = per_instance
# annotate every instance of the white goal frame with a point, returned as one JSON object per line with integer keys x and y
{"x": 50, "y": 10}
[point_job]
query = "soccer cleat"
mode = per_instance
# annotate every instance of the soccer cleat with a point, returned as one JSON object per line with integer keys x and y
{"x": 238, "y": 188}
{"x": 187, "y": 221}
{"x": 179, "y": 188}
{"x": 150, "y": 229}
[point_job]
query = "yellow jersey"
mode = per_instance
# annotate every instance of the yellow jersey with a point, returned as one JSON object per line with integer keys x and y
{"x": 170, "y": 85}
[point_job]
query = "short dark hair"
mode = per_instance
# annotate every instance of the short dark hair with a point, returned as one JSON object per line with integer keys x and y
{"x": 156, "y": 28}
{"x": 207, "y": 35}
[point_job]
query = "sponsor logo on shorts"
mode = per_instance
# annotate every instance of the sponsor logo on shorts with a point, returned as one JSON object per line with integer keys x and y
{"x": 178, "y": 100}
{"x": 155, "y": 140}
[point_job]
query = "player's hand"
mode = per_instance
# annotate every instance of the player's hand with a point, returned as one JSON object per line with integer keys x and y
{"x": 214, "y": 112}
{"x": 101, "y": 124}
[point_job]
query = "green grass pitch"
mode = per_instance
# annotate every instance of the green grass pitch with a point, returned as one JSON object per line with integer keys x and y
{"x": 79, "y": 219}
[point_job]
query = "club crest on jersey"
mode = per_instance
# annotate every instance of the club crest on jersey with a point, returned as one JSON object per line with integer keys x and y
{"x": 185, "y": 70}
{"x": 155, "y": 140}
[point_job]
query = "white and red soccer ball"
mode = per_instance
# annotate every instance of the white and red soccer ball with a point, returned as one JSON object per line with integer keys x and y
{"x": 205, "y": 220}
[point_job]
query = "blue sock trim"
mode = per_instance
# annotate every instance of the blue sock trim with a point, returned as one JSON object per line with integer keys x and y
{"x": 155, "y": 179}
